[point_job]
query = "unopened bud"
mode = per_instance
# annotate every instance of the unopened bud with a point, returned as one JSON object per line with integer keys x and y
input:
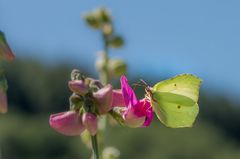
{"x": 110, "y": 153}
{"x": 78, "y": 86}
{"x": 76, "y": 102}
{"x": 95, "y": 83}
{"x": 90, "y": 122}
{"x": 103, "y": 99}
{"x": 102, "y": 15}
{"x": 117, "y": 67}
{"x": 101, "y": 61}
{"x": 86, "y": 139}
{"x": 92, "y": 21}
{"x": 77, "y": 75}
{"x": 117, "y": 114}
{"x": 107, "y": 29}
{"x": 97, "y": 18}
{"x": 116, "y": 42}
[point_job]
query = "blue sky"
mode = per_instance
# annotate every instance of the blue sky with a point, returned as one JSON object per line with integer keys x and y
{"x": 162, "y": 37}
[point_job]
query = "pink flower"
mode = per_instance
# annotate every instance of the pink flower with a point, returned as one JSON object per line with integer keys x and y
{"x": 118, "y": 99}
{"x": 104, "y": 98}
{"x": 137, "y": 112}
{"x": 78, "y": 86}
{"x": 68, "y": 123}
{"x": 90, "y": 122}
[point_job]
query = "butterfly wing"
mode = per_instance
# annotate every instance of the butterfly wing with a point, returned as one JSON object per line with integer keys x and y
{"x": 175, "y": 100}
{"x": 185, "y": 84}
{"x": 174, "y": 110}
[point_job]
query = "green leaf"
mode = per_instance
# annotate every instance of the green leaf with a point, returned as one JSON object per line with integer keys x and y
{"x": 175, "y": 100}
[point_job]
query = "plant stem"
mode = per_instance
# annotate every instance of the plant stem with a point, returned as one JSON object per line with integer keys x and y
{"x": 105, "y": 76}
{"x": 95, "y": 147}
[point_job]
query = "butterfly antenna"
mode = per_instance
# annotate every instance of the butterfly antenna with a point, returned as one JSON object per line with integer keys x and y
{"x": 145, "y": 83}
{"x": 139, "y": 83}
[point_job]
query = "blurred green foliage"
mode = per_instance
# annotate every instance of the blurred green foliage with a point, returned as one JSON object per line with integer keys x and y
{"x": 36, "y": 91}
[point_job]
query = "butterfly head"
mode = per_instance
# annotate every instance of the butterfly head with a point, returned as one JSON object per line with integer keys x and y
{"x": 147, "y": 88}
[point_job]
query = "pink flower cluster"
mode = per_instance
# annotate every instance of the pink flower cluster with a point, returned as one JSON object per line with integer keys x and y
{"x": 134, "y": 112}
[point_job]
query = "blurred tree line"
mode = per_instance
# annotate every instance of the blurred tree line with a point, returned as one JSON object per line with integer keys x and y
{"x": 36, "y": 91}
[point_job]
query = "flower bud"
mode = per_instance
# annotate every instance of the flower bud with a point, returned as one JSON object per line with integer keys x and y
{"x": 116, "y": 42}
{"x": 103, "y": 15}
{"x": 5, "y": 51}
{"x": 110, "y": 153}
{"x": 67, "y": 123}
{"x": 92, "y": 21}
{"x": 107, "y": 29}
{"x": 103, "y": 99}
{"x": 76, "y": 102}
{"x": 78, "y": 86}
{"x": 97, "y": 18}
{"x": 94, "y": 83}
{"x": 117, "y": 67}
{"x": 86, "y": 139}
{"x": 117, "y": 114}
{"x": 90, "y": 122}
{"x": 77, "y": 75}
{"x": 101, "y": 61}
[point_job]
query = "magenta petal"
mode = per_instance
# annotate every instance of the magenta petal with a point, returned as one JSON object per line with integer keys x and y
{"x": 142, "y": 109}
{"x": 146, "y": 109}
{"x": 118, "y": 100}
{"x": 138, "y": 113}
{"x": 149, "y": 118}
{"x": 67, "y": 123}
{"x": 131, "y": 119}
{"x": 128, "y": 94}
